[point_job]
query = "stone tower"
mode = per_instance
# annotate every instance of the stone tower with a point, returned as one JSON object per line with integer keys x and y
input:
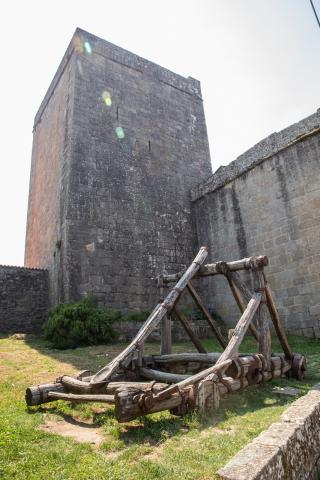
{"x": 118, "y": 143}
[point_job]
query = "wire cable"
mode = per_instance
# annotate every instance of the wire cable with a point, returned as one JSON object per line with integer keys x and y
{"x": 315, "y": 13}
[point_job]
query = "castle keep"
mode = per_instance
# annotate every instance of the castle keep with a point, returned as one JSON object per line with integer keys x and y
{"x": 121, "y": 189}
{"x": 118, "y": 143}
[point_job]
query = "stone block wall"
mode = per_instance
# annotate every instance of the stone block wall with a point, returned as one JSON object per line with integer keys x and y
{"x": 118, "y": 143}
{"x": 267, "y": 202}
{"x": 45, "y": 245}
{"x": 23, "y": 299}
{"x": 288, "y": 450}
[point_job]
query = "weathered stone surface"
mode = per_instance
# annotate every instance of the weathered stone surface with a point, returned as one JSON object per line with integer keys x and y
{"x": 109, "y": 203}
{"x": 267, "y": 202}
{"x": 288, "y": 450}
{"x": 23, "y": 299}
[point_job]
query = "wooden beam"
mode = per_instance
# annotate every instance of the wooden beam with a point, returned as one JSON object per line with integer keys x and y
{"x": 213, "y": 324}
{"x": 213, "y": 268}
{"x": 186, "y": 325}
{"x": 165, "y": 377}
{"x": 240, "y": 302}
{"x": 240, "y": 329}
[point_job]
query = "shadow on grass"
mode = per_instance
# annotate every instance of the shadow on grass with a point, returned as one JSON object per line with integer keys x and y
{"x": 153, "y": 429}
{"x": 156, "y": 428}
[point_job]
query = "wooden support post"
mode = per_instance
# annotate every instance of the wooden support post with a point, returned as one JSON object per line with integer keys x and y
{"x": 140, "y": 355}
{"x": 213, "y": 324}
{"x": 165, "y": 329}
{"x": 240, "y": 302}
{"x": 277, "y": 321}
{"x": 208, "y": 396}
{"x": 186, "y": 325}
{"x": 264, "y": 340}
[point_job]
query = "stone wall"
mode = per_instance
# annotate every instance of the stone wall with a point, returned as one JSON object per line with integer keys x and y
{"x": 125, "y": 139}
{"x": 288, "y": 450}
{"x": 23, "y": 299}
{"x": 267, "y": 202}
{"x": 46, "y": 225}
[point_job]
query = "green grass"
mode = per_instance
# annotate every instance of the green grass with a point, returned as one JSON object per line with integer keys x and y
{"x": 158, "y": 446}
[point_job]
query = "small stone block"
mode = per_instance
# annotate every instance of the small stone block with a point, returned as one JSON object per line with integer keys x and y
{"x": 288, "y": 391}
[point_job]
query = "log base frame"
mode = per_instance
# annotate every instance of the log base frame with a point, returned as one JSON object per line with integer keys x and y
{"x": 139, "y": 384}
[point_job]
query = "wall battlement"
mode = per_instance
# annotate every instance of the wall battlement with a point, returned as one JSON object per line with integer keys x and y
{"x": 260, "y": 152}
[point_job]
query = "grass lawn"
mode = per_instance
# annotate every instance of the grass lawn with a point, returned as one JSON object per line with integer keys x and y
{"x": 159, "y": 446}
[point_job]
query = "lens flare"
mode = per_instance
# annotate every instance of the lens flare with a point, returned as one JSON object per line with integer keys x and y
{"x": 87, "y": 47}
{"x": 80, "y": 69}
{"x": 78, "y": 44}
{"x": 107, "y": 98}
{"x": 120, "y": 132}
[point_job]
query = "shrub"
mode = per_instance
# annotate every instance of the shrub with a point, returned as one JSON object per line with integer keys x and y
{"x": 135, "y": 316}
{"x": 80, "y": 323}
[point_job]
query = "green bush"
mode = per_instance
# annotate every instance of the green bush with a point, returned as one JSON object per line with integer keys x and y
{"x": 80, "y": 323}
{"x": 135, "y": 316}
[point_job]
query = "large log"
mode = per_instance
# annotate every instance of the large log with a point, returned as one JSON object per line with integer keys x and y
{"x": 74, "y": 385}
{"x": 104, "y": 375}
{"x": 38, "y": 394}
{"x": 114, "y": 387}
{"x": 214, "y": 268}
{"x": 128, "y": 407}
{"x": 186, "y": 325}
{"x": 213, "y": 324}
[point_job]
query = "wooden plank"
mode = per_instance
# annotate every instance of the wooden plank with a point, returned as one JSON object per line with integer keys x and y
{"x": 240, "y": 329}
{"x": 186, "y": 357}
{"x": 213, "y": 324}
{"x": 105, "y": 374}
{"x": 240, "y": 302}
{"x": 186, "y": 325}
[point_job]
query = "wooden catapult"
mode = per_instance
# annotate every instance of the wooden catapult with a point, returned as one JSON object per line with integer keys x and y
{"x": 140, "y": 384}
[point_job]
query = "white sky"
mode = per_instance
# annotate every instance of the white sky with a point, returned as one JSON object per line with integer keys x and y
{"x": 258, "y": 63}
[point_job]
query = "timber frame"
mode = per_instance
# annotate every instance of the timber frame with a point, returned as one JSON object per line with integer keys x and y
{"x": 140, "y": 384}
